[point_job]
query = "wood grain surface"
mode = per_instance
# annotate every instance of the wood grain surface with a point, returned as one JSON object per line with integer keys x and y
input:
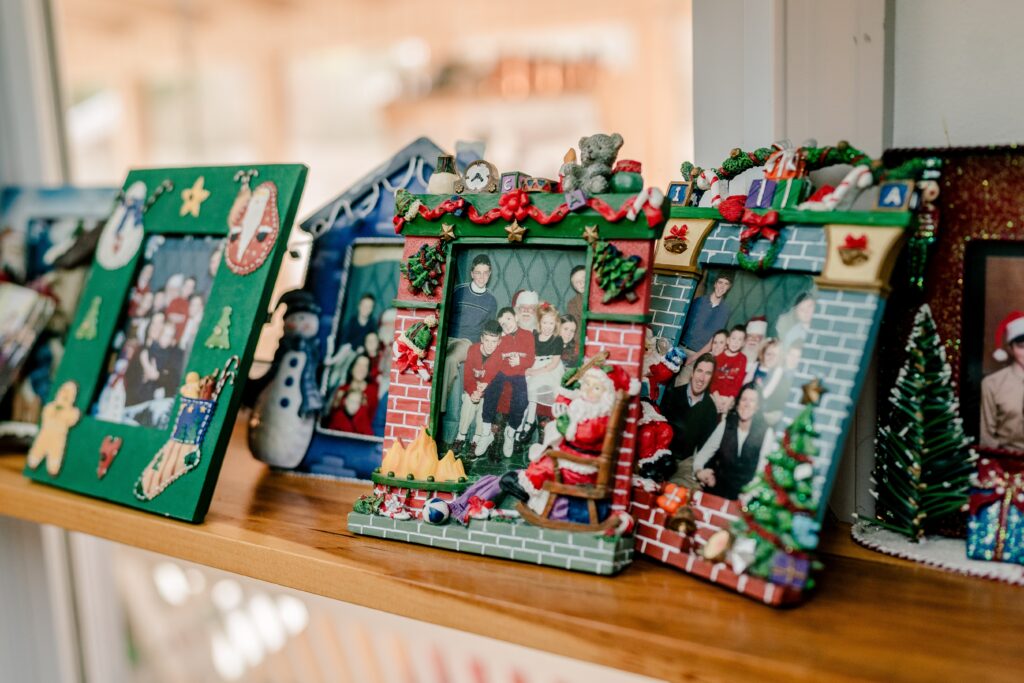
{"x": 873, "y": 617}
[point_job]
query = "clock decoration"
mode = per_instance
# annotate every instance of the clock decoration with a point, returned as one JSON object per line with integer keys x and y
{"x": 480, "y": 176}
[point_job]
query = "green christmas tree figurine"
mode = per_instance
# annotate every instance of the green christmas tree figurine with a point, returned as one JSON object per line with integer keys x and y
{"x": 87, "y": 328}
{"x": 922, "y": 458}
{"x": 617, "y": 275}
{"x": 425, "y": 268}
{"x": 777, "y": 523}
{"x": 219, "y": 339}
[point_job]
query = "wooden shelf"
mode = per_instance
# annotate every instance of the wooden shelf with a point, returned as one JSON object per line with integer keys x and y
{"x": 873, "y": 617}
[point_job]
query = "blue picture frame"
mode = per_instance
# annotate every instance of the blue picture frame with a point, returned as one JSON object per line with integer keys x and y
{"x": 362, "y": 215}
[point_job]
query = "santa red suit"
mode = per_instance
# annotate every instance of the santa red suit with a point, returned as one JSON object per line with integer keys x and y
{"x": 579, "y": 430}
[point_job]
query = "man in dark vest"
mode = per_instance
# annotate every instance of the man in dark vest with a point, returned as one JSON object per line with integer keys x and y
{"x": 693, "y": 416}
{"x": 732, "y": 454}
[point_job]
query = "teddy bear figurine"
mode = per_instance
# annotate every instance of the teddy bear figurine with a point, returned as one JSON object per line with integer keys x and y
{"x": 593, "y": 173}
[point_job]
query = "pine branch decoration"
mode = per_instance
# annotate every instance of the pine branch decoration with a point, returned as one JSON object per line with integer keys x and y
{"x": 617, "y": 275}
{"x": 922, "y": 456}
{"x": 425, "y": 269}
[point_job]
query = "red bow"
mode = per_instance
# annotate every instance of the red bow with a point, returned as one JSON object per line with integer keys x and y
{"x": 856, "y": 242}
{"x": 514, "y": 205}
{"x": 399, "y": 222}
{"x": 679, "y": 232}
{"x": 996, "y": 483}
{"x": 476, "y": 505}
{"x": 759, "y": 226}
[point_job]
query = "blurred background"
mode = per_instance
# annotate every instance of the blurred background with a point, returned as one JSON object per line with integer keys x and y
{"x": 341, "y": 84}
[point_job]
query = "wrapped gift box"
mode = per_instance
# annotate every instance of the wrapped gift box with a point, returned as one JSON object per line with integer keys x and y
{"x": 995, "y": 526}
{"x": 789, "y": 193}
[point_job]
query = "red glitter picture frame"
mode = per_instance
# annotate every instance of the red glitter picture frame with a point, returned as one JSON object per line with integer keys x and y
{"x": 982, "y": 198}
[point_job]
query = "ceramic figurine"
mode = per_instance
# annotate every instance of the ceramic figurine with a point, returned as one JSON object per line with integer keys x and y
{"x": 594, "y": 172}
{"x": 285, "y": 414}
{"x": 445, "y": 176}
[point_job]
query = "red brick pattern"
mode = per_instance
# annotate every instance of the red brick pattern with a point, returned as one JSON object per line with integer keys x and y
{"x": 409, "y": 396}
{"x": 664, "y": 545}
{"x": 624, "y": 344}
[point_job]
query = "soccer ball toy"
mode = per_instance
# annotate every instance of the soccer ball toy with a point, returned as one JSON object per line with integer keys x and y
{"x": 436, "y": 511}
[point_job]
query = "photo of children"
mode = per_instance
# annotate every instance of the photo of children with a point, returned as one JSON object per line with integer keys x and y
{"x": 727, "y": 403}
{"x": 358, "y": 359}
{"x": 992, "y": 378}
{"x": 513, "y": 347}
{"x": 161, "y": 319}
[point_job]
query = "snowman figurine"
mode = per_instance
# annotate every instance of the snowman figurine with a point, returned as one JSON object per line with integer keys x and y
{"x": 285, "y": 413}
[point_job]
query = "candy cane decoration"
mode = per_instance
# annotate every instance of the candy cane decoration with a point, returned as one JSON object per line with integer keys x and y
{"x": 858, "y": 176}
{"x": 708, "y": 180}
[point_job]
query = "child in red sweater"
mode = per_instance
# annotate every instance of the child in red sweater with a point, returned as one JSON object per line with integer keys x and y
{"x": 730, "y": 369}
{"x": 507, "y": 365}
{"x": 473, "y": 385}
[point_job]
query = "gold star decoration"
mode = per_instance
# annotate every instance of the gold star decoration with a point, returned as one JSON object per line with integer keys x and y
{"x": 590, "y": 234}
{"x": 515, "y": 231}
{"x": 813, "y": 391}
{"x": 193, "y": 197}
{"x": 447, "y": 232}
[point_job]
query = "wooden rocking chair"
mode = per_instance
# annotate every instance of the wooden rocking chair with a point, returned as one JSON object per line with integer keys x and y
{"x": 605, "y": 463}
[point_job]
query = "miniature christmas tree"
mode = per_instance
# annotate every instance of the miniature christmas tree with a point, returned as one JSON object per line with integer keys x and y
{"x": 425, "y": 268}
{"x": 218, "y": 339}
{"x": 617, "y": 275}
{"x": 778, "y": 513}
{"x": 87, "y": 328}
{"x": 922, "y": 456}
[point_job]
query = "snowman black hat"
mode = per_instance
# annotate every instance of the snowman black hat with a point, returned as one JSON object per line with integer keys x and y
{"x": 1010, "y": 330}
{"x": 299, "y": 301}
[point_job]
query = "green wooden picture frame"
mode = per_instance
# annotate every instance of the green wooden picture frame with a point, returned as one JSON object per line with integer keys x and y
{"x": 105, "y": 459}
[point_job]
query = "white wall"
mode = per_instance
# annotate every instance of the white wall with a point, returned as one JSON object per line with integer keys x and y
{"x": 958, "y": 74}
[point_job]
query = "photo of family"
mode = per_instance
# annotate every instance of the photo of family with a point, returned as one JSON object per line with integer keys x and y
{"x": 743, "y": 338}
{"x": 25, "y": 314}
{"x": 160, "y": 322}
{"x": 357, "y": 367}
{"x": 514, "y": 328}
{"x": 992, "y": 379}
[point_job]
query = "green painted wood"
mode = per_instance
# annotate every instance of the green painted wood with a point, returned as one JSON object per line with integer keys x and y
{"x": 887, "y": 219}
{"x": 620, "y": 318}
{"x": 446, "y": 486}
{"x": 188, "y": 497}
{"x": 400, "y": 303}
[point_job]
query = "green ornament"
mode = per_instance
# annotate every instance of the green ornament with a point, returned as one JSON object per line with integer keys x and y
{"x": 218, "y": 339}
{"x": 87, "y": 328}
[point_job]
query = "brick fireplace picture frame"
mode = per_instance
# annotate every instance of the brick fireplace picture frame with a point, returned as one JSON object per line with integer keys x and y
{"x": 848, "y": 256}
{"x": 523, "y": 259}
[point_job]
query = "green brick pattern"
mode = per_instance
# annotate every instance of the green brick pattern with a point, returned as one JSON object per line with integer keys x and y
{"x": 803, "y": 248}
{"x": 585, "y": 552}
{"x": 670, "y": 299}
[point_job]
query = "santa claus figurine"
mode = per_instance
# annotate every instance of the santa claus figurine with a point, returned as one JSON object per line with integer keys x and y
{"x": 580, "y": 428}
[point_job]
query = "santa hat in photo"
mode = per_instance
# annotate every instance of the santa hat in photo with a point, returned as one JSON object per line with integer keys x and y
{"x": 758, "y": 325}
{"x": 1011, "y": 327}
{"x": 526, "y": 297}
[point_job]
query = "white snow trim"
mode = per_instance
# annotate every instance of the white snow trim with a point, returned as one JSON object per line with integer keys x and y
{"x": 654, "y": 456}
{"x": 577, "y": 467}
{"x": 939, "y": 552}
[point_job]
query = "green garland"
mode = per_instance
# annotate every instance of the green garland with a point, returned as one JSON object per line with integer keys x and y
{"x": 425, "y": 269}
{"x": 758, "y": 265}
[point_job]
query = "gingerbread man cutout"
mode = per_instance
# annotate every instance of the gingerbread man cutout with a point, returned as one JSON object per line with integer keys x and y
{"x": 59, "y": 416}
